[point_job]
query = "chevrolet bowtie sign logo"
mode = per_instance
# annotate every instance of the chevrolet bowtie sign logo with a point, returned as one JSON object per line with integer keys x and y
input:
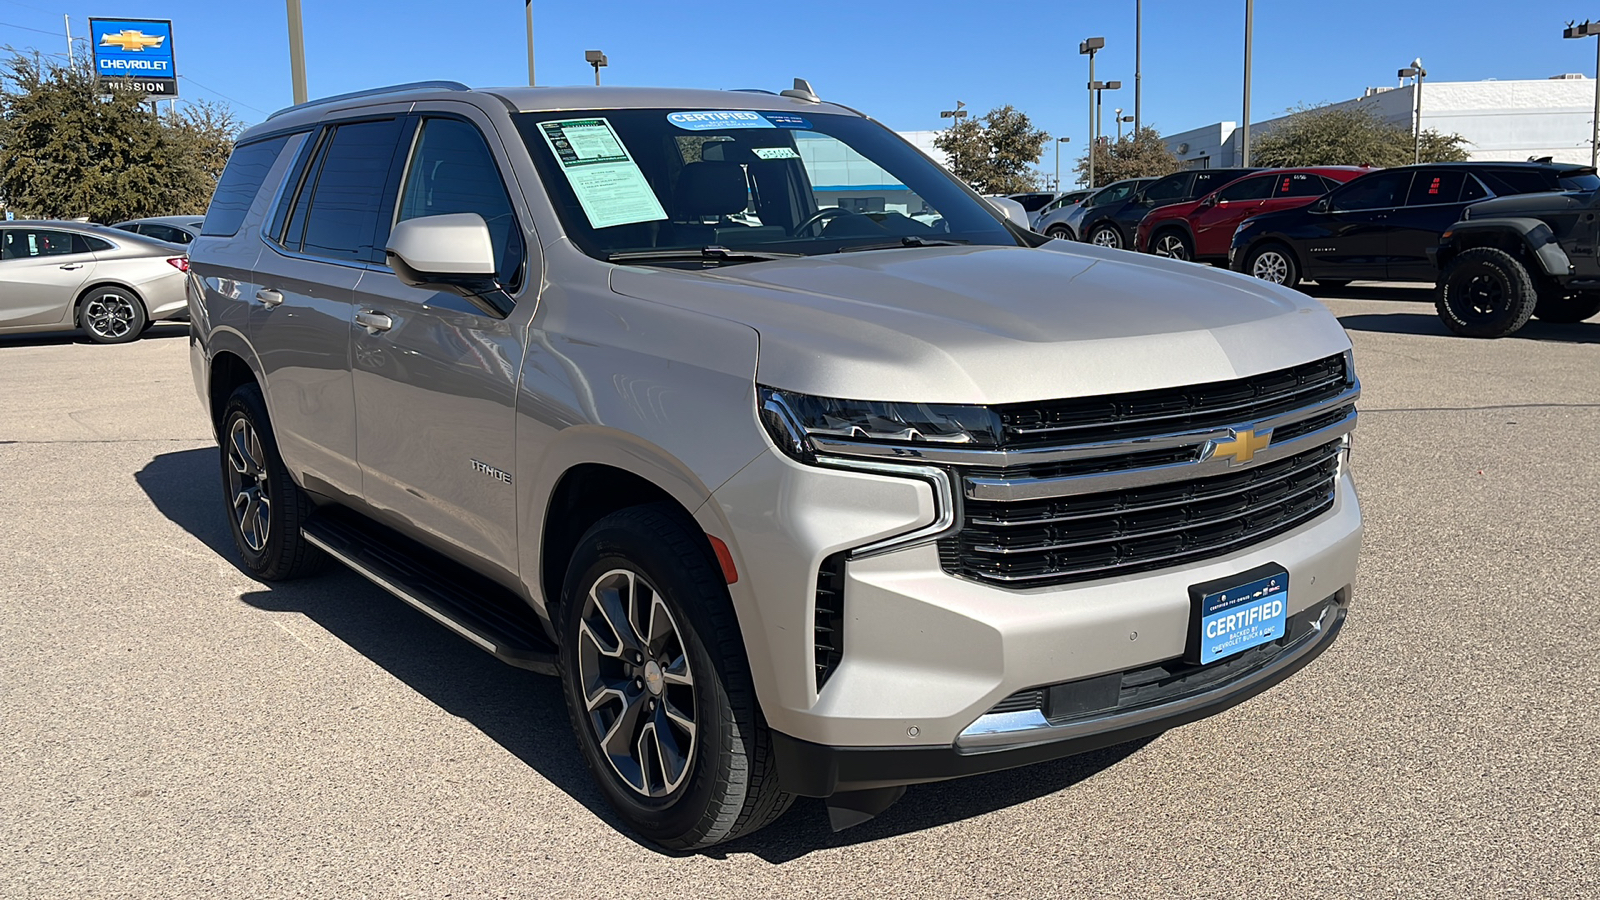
{"x": 1242, "y": 447}
{"x": 132, "y": 41}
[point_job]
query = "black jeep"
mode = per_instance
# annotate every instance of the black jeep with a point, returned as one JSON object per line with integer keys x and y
{"x": 1512, "y": 258}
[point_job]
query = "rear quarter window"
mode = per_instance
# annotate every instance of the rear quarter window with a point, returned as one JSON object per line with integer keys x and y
{"x": 240, "y": 182}
{"x": 1520, "y": 181}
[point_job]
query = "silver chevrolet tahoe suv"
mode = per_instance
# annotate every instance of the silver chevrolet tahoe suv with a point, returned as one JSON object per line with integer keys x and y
{"x": 806, "y": 471}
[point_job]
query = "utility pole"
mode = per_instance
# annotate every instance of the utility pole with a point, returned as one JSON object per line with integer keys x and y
{"x": 529, "y": 5}
{"x": 1138, "y": 59}
{"x": 1249, "y": 21}
{"x": 297, "y": 53}
{"x": 70, "y": 61}
{"x": 1583, "y": 30}
{"x": 1089, "y": 48}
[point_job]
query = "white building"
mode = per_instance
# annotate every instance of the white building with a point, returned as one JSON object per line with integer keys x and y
{"x": 1500, "y": 120}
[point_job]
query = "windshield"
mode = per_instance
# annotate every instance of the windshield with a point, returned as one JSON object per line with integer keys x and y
{"x": 646, "y": 182}
{"x": 1113, "y": 193}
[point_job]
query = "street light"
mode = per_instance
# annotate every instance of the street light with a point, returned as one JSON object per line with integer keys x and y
{"x": 1415, "y": 70}
{"x": 955, "y": 115}
{"x": 1098, "y": 87}
{"x": 598, "y": 60}
{"x": 1590, "y": 29}
{"x": 1089, "y": 47}
{"x": 1121, "y": 120}
{"x": 1059, "y": 142}
{"x": 1249, "y": 21}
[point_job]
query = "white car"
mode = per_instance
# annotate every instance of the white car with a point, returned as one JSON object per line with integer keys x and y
{"x": 113, "y": 284}
{"x": 1064, "y": 202}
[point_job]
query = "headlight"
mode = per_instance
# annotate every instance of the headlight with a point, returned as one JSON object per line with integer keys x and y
{"x": 794, "y": 420}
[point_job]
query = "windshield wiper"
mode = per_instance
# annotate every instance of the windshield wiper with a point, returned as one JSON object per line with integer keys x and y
{"x": 712, "y": 253}
{"x": 909, "y": 240}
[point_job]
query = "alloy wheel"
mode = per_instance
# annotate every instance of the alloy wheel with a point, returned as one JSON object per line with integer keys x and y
{"x": 1107, "y": 237}
{"x": 1485, "y": 295}
{"x": 247, "y": 482}
{"x": 638, "y": 690}
{"x": 109, "y": 315}
{"x": 1271, "y": 266}
{"x": 1172, "y": 246}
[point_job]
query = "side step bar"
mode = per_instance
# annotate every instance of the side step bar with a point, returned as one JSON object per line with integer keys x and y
{"x": 461, "y": 600}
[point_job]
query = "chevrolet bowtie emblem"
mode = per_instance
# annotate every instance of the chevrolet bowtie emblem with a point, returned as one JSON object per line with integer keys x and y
{"x": 1242, "y": 447}
{"x": 132, "y": 41}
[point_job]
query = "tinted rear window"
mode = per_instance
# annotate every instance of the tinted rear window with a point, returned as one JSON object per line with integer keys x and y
{"x": 241, "y": 181}
{"x": 349, "y": 194}
{"x": 1520, "y": 181}
{"x": 1580, "y": 181}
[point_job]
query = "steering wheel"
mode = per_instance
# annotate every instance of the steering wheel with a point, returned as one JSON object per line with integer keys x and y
{"x": 822, "y": 214}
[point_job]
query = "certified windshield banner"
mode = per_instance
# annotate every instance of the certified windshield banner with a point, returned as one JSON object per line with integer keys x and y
{"x": 134, "y": 55}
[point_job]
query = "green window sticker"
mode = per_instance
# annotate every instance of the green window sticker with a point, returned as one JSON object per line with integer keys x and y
{"x": 775, "y": 152}
{"x": 609, "y": 185}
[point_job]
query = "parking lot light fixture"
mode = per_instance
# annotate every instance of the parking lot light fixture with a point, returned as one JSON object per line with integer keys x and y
{"x": 1059, "y": 142}
{"x": 1089, "y": 47}
{"x": 955, "y": 116}
{"x": 598, "y": 60}
{"x": 1417, "y": 72}
{"x": 1098, "y": 87}
{"x": 1585, "y": 29}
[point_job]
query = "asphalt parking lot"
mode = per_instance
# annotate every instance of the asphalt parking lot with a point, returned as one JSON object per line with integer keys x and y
{"x": 170, "y": 727}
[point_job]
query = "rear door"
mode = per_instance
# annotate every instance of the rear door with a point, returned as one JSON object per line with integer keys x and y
{"x": 436, "y": 380}
{"x": 1433, "y": 204}
{"x": 1214, "y": 225}
{"x": 1351, "y": 239}
{"x": 41, "y": 272}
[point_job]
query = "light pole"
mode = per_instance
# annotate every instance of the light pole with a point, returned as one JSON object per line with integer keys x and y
{"x": 1122, "y": 120}
{"x": 1138, "y": 57}
{"x": 1059, "y": 142}
{"x": 529, "y": 5}
{"x": 297, "y": 53}
{"x": 1090, "y": 47}
{"x": 1100, "y": 87}
{"x": 1590, "y": 29}
{"x": 1417, "y": 72}
{"x": 598, "y": 60}
{"x": 955, "y": 116}
{"x": 1249, "y": 22}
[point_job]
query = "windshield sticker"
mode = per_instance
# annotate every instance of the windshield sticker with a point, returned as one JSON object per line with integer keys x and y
{"x": 717, "y": 120}
{"x": 786, "y": 120}
{"x": 608, "y": 182}
{"x": 774, "y": 153}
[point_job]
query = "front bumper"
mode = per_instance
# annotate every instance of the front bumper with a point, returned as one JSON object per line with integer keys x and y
{"x": 817, "y": 770}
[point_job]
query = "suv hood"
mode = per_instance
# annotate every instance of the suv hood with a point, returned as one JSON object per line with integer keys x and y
{"x": 1528, "y": 204}
{"x": 998, "y": 324}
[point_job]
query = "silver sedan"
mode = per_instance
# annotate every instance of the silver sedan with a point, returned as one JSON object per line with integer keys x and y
{"x": 112, "y": 284}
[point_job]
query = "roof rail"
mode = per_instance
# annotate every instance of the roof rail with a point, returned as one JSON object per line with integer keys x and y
{"x": 378, "y": 91}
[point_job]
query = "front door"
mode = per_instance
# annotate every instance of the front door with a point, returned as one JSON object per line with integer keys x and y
{"x": 1433, "y": 204}
{"x": 1350, "y": 240}
{"x": 41, "y": 272}
{"x": 436, "y": 374}
{"x": 1214, "y": 225}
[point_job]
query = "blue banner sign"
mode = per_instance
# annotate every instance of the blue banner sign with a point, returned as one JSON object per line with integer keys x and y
{"x": 134, "y": 55}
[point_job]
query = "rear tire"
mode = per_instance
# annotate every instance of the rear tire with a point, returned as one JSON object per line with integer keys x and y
{"x": 1485, "y": 292}
{"x": 1274, "y": 263}
{"x": 111, "y": 315}
{"x": 1563, "y": 308}
{"x": 661, "y": 697}
{"x": 265, "y": 507}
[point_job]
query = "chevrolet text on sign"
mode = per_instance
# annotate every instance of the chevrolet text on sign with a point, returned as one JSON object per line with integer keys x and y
{"x": 134, "y": 55}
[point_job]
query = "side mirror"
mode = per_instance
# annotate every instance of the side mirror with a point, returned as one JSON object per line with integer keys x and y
{"x": 1321, "y": 206}
{"x": 452, "y": 251}
{"x": 1012, "y": 210}
{"x": 1209, "y": 201}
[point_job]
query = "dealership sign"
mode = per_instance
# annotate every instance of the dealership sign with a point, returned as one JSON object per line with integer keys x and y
{"x": 134, "y": 55}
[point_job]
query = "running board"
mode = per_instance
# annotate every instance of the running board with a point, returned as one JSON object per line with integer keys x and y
{"x": 485, "y": 613}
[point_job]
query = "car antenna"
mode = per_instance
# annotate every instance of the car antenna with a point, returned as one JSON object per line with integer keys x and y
{"x": 802, "y": 91}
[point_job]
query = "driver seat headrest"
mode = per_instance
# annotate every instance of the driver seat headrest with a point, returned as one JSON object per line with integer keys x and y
{"x": 710, "y": 189}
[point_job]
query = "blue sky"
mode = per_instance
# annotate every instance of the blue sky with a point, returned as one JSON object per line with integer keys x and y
{"x": 899, "y": 61}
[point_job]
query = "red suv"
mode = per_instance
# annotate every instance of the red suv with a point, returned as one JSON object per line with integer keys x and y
{"x": 1202, "y": 229}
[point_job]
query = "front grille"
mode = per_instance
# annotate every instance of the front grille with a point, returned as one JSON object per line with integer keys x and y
{"x": 1084, "y": 536}
{"x": 1172, "y": 410}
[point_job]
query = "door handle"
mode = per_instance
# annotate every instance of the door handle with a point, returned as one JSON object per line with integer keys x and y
{"x": 374, "y": 321}
{"x": 269, "y": 297}
{"x": 70, "y": 266}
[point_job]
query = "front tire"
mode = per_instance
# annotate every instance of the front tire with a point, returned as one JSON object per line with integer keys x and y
{"x": 1564, "y": 309}
{"x": 1485, "y": 292}
{"x": 1059, "y": 232}
{"x": 265, "y": 507}
{"x": 657, "y": 685}
{"x": 1106, "y": 236}
{"x": 1173, "y": 245}
{"x": 1274, "y": 263}
{"x": 111, "y": 315}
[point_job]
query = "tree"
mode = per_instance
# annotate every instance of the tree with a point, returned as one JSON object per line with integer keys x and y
{"x": 67, "y": 150}
{"x": 995, "y": 153}
{"x": 1353, "y": 135}
{"x": 1141, "y": 154}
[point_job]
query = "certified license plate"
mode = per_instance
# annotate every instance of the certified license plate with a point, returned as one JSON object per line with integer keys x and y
{"x": 1246, "y": 614}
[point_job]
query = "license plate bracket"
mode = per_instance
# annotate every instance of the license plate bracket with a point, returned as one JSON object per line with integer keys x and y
{"x": 1233, "y": 614}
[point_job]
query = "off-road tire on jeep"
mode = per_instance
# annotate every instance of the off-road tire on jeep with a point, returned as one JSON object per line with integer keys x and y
{"x": 267, "y": 533}
{"x": 1485, "y": 292}
{"x": 729, "y": 785}
{"x": 1564, "y": 308}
